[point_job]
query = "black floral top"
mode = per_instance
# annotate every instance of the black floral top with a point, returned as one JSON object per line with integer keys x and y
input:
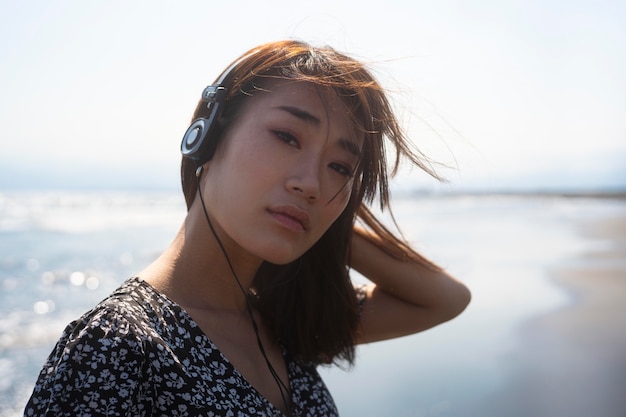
{"x": 140, "y": 354}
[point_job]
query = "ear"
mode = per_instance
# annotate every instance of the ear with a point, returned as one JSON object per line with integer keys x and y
{"x": 201, "y": 169}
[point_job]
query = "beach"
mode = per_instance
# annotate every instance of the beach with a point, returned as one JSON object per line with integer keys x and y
{"x": 544, "y": 335}
{"x": 574, "y": 361}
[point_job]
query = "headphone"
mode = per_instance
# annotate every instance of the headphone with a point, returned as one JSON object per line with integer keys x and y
{"x": 196, "y": 143}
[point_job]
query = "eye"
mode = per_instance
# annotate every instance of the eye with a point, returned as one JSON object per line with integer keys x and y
{"x": 342, "y": 169}
{"x": 287, "y": 137}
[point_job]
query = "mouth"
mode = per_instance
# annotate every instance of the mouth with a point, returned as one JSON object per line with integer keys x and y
{"x": 291, "y": 217}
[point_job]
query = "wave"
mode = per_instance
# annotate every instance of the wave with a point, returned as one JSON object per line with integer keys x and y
{"x": 78, "y": 212}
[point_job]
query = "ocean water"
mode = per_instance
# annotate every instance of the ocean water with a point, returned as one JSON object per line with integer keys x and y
{"x": 62, "y": 252}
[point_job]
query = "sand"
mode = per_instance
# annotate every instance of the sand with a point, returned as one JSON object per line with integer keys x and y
{"x": 573, "y": 360}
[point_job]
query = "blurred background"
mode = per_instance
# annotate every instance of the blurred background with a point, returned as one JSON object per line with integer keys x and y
{"x": 521, "y": 103}
{"x": 521, "y": 94}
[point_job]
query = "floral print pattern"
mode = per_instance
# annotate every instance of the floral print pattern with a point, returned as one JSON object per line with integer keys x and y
{"x": 140, "y": 354}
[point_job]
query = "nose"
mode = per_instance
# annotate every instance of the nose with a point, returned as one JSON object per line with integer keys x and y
{"x": 305, "y": 182}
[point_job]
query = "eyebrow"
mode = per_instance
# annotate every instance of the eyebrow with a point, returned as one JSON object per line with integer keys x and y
{"x": 307, "y": 117}
{"x": 301, "y": 114}
{"x": 351, "y": 147}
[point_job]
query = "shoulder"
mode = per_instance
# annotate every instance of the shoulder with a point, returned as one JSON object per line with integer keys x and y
{"x": 122, "y": 317}
{"x": 101, "y": 355}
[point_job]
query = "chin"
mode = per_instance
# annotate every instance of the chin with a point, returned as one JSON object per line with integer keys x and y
{"x": 281, "y": 256}
{"x": 279, "y": 250}
{"x": 281, "y": 260}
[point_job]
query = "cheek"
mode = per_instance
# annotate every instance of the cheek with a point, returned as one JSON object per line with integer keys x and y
{"x": 340, "y": 199}
{"x": 336, "y": 206}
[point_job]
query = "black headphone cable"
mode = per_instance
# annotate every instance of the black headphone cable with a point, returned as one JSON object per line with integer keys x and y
{"x": 284, "y": 390}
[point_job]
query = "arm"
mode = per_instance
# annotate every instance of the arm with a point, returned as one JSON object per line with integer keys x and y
{"x": 406, "y": 297}
{"x": 92, "y": 371}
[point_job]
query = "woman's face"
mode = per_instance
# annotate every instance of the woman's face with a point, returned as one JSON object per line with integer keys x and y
{"x": 283, "y": 173}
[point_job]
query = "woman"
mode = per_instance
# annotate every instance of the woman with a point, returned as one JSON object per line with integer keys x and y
{"x": 286, "y": 150}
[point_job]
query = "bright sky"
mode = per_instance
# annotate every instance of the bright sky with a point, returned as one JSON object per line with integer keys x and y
{"x": 520, "y": 93}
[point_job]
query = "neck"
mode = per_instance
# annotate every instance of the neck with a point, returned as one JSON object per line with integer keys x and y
{"x": 195, "y": 272}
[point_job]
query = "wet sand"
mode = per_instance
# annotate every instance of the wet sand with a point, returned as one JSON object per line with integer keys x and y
{"x": 573, "y": 361}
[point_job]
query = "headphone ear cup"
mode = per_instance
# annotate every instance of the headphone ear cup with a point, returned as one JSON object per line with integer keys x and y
{"x": 195, "y": 139}
{"x": 196, "y": 144}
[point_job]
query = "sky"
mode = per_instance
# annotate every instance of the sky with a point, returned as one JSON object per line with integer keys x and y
{"x": 503, "y": 95}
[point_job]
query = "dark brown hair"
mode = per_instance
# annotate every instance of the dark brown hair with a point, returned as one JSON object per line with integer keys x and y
{"x": 310, "y": 304}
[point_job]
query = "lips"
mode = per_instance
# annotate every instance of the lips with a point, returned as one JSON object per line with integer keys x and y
{"x": 291, "y": 217}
